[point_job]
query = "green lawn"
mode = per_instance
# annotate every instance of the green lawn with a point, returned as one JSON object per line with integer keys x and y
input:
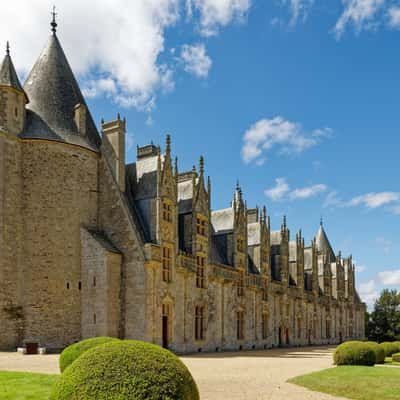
{"x": 353, "y": 382}
{"x": 25, "y": 386}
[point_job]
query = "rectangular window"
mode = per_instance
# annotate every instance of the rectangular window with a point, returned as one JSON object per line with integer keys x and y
{"x": 240, "y": 245}
{"x": 166, "y": 264}
{"x": 265, "y": 326}
{"x": 299, "y": 328}
{"x": 167, "y": 212}
{"x": 240, "y": 325}
{"x": 200, "y": 271}
{"x": 201, "y": 225}
{"x": 199, "y": 331}
{"x": 240, "y": 284}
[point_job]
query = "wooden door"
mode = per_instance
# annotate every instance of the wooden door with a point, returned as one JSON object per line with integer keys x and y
{"x": 165, "y": 331}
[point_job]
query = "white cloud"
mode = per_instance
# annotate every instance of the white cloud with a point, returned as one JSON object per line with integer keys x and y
{"x": 332, "y": 200}
{"x": 359, "y": 13}
{"x": 217, "y": 13}
{"x": 307, "y": 192}
{"x": 384, "y": 244}
{"x": 390, "y": 278}
{"x": 299, "y": 10}
{"x": 281, "y": 190}
{"x": 278, "y": 191}
{"x": 394, "y": 17}
{"x": 375, "y": 200}
{"x": 395, "y": 210}
{"x": 196, "y": 61}
{"x": 113, "y": 46}
{"x": 368, "y": 292}
{"x": 360, "y": 268}
{"x": 288, "y": 136}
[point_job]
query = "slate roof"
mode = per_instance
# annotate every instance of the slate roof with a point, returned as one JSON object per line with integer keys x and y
{"x": 104, "y": 242}
{"x": 308, "y": 258}
{"x": 292, "y": 250}
{"x": 222, "y": 220}
{"x": 276, "y": 237}
{"x": 53, "y": 93}
{"x": 8, "y": 75}
{"x": 323, "y": 244}
{"x": 253, "y": 234}
{"x": 185, "y": 196}
{"x": 219, "y": 249}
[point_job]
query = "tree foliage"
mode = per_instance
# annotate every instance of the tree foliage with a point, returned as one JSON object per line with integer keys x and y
{"x": 383, "y": 324}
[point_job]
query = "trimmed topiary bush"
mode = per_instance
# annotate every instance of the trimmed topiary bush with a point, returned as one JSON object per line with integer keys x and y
{"x": 129, "y": 370}
{"x": 379, "y": 352}
{"x": 390, "y": 348}
{"x": 71, "y": 353}
{"x": 354, "y": 353}
{"x": 396, "y": 357}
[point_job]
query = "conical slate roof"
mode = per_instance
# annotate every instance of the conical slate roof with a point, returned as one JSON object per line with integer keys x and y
{"x": 8, "y": 75}
{"x": 54, "y": 92}
{"x": 323, "y": 244}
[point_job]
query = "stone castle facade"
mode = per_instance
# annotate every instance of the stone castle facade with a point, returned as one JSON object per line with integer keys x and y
{"x": 90, "y": 246}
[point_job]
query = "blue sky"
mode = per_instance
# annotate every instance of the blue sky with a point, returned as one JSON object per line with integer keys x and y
{"x": 298, "y": 99}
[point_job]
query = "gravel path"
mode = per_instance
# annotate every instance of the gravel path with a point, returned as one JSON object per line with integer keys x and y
{"x": 255, "y": 375}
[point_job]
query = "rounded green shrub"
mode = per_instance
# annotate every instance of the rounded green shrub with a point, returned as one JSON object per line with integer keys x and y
{"x": 354, "y": 353}
{"x": 390, "y": 348}
{"x": 379, "y": 352}
{"x": 129, "y": 370}
{"x": 396, "y": 357}
{"x": 72, "y": 352}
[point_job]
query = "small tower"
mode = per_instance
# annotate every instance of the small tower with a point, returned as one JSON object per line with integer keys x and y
{"x": 13, "y": 99}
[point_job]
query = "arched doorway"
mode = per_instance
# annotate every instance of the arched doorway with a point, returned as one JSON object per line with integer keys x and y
{"x": 287, "y": 336}
{"x": 280, "y": 337}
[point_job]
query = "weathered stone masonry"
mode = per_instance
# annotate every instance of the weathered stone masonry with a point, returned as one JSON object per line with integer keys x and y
{"x": 91, "y": 246}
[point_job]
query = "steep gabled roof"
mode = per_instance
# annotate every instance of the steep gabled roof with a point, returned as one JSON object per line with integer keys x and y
{"x": 323, "y": 244}
{"x": 54, "y": 92}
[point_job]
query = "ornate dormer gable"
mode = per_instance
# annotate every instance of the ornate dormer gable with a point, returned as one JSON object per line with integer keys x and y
{"x": 349, "y": 278}
{"x": 327, "y": 278}
{"x": 201, "y": 199}
{"x": 314, "y": 258}
{"x": 284, "y": 253}
{"x": 265, "y": 239}
{"x": 340, "y": 284}
{"x": 300, "y": 260}
{"x": 167, "y": 178}
{"x": 239, "y": 230}
{"x": 13, "y": 98}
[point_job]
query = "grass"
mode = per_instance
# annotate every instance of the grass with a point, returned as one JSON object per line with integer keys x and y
{"x": 354, "y": 382}
{"x": 25, "y": 386}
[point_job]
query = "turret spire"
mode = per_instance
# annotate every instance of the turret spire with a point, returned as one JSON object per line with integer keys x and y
{"x": 53, "y": 23}
{"x": 8, "y": 48}
{"x": 201, "y": 166}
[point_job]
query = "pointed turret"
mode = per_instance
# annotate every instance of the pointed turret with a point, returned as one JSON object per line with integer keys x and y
{"x": 323, "y": 244}
{"x": 13, "y": 99}
{"x": 56, "y": 101}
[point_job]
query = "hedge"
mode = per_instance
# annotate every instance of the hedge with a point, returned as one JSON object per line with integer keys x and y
{"x": 396, "y": 357}
{"x": 72, "y": 352}
{"x": 129, "y": 370}
{"x": 390, "y": 348}
{"x": 379, "y": 352}
{"x": 354, "y": 353}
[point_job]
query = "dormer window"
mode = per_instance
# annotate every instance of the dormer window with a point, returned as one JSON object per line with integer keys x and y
{"x": 201, "y": 225}
{"x": 167, "y": 211}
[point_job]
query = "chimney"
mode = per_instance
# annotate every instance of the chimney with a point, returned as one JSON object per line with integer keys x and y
{"x": 113, "y": 133}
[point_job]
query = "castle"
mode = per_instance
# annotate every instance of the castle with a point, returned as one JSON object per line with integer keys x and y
{"x": 90, "y": 246}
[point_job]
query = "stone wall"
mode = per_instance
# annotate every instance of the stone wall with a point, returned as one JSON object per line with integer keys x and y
{"x": 59, "y": 195}
{"x": 11, "y": 314}
{"x": 115, "y": 220}
{"x": 101, "y": 272}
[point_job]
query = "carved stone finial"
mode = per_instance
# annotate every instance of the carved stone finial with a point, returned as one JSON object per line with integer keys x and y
{"x": 168, "y": 144}
{"x": 53, "y": 23}
{"x": 201, "y": 167}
